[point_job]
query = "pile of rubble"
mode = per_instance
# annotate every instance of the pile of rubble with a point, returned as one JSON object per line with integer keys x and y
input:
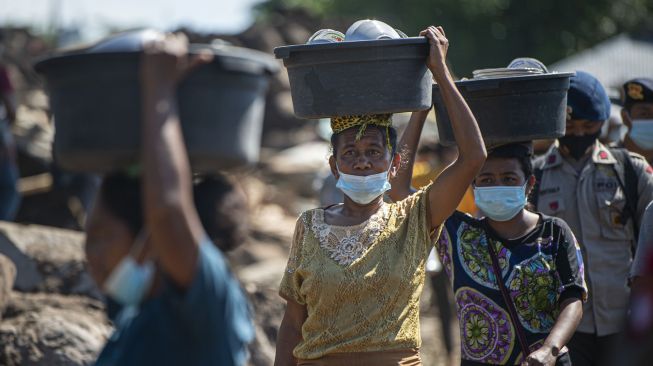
{"x": 52, "y": 313}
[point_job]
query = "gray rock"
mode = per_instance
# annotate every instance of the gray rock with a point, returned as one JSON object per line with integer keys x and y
{"x": 7, "y": 277}
{"x": 48, "y": 260}
{"x": 50, "y": 329}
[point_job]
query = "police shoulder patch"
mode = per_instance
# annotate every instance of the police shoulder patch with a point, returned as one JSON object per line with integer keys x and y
{"x": 635, "y": 91}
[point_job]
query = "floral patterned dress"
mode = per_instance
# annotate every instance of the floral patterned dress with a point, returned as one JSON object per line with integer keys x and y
{"x": 540, "y": 270}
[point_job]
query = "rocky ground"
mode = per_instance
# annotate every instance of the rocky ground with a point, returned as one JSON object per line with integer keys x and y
{"x": 53, "y": 315}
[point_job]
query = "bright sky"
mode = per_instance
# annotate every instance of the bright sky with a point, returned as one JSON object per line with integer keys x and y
{"x": 93, "y": 16}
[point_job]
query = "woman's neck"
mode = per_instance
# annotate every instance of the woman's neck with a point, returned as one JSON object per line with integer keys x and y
{"x": 352, "y": 213}
{"x": 520, "y": 225}
{"x": 353, "y": 209}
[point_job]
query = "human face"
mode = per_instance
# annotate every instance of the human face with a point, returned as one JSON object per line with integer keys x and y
{"x": 638, "y": 119}
{"x": 108, "y": 241}
{"x": 641, "y": 111}
{"x": 636, "y": 111}
{"x": 367, "y": 156}
{"x": 502, "y": 172}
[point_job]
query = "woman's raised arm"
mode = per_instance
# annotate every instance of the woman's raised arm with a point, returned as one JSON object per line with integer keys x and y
{"x": 407, "y": 147}
{"x": 450, "y": 187}
{"x": 170, "y": 215}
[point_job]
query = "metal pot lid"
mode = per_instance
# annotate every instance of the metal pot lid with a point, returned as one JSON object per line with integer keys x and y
{"x": 368, "y": 29}
{"x": 505, "y": 72}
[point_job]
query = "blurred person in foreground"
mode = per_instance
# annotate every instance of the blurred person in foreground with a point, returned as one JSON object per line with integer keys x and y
{"x": 147, "y": 249}
{"x": 222, "y": 208}
{"x": 637, "y": 115}
{"x": 9, "y": 195}
{"x": 356, "y": 270}
{"x": 601, "y": 193}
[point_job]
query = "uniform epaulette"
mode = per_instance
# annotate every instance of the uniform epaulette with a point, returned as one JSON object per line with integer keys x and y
{"x": 635, "y": 155}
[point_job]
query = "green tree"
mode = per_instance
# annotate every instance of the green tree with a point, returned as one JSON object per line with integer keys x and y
{"x": 490, "y": 33}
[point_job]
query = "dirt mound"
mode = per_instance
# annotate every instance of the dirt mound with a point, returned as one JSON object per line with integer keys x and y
{"x": 51, "y": 329}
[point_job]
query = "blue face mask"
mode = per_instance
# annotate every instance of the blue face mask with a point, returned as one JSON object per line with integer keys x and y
{"x": 500, "y": 203}
{"x": 642, "y": 133}
{"x": 129, "y": 281}
{"x": 363, "y": 189}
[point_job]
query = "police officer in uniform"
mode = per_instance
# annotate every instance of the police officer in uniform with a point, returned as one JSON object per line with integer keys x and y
{"x": 583, "y": 182}
{"x": 637, "y": 114}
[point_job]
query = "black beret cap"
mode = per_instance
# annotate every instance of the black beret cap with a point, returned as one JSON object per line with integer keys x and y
{"x": 639, "y": 90}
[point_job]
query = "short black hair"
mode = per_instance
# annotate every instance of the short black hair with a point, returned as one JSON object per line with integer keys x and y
{"x": 522, "y": 151}
{"x": 121, "y": 195}
{"x": 389, "y": 134}
{"x": 222, "y": 208}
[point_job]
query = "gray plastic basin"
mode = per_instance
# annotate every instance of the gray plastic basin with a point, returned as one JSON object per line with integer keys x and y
{"x": 96, "y": 101}
{"x": 362, "y": 77}
{"x": 511, "y": 109}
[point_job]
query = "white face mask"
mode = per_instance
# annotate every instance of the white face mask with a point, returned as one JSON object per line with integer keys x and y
{"x": 129, "y": 281}
{"x": 642, "y": 133}
{"x": 363, "y": 189}
{"x": 500, "y": 203}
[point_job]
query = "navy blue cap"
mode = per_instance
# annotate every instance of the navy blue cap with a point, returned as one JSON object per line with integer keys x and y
{"x": 639, "y": 90}
{"x": 587, "y": 98}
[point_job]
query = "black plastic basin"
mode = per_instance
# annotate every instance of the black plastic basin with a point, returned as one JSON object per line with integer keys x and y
{"x": 363, "y": 77}
{"x": 96, "y": 100}
{"x": 511, "y": 109}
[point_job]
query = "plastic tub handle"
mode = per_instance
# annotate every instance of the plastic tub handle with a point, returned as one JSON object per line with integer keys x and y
{"x": 281, "y": 52}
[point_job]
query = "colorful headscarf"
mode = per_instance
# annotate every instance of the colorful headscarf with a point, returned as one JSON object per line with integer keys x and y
{"x": 341, "y": 123}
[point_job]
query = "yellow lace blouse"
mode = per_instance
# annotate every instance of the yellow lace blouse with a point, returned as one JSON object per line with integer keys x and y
{"x": 361, "y": 284}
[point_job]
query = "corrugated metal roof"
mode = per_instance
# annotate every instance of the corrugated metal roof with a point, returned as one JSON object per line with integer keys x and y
{"x": 613, "y": 62}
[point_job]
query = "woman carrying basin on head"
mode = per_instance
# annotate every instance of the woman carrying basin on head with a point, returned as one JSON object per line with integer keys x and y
{"x": 356, "y": 270}
{"x": 517, "y": 275}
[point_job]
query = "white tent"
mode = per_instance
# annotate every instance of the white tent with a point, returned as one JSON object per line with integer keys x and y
{"x": 613, "y": 62}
